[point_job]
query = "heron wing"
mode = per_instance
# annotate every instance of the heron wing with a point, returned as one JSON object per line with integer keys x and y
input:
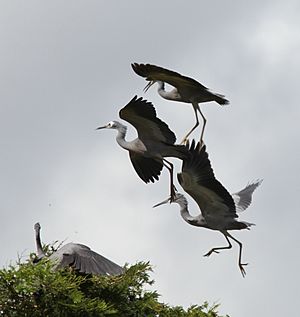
{"x": 157, "y": 73}
{"x": 142, "y": 115}
{"x": 84, "y": 260}
{"x": 147, "y": 168}
{"x": 198, "y": 180}
{"x": 243, "y": 198}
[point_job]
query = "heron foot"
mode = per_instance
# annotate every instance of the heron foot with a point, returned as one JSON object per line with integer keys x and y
{"x": 241, "y": 265}
{"x": 184, "y": 141}
{"x": 210, "y": 252}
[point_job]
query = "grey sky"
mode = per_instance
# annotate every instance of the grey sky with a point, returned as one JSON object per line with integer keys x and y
{"x": 65, "y": 69}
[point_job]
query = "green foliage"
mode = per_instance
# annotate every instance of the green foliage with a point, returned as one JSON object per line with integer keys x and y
{"x": 38, "y": 290}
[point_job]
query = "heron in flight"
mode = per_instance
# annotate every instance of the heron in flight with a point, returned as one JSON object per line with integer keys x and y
{"x": 155, "y": 141}
{"x": 78, "y": 256}
{"x": 186, "y": 90}
{"x": 217, "y": 207}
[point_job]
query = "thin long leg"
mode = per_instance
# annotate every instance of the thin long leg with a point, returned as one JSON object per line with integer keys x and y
{"x": 240, "y": 255}
{"x": 195, "y": 107}
{"x": 219, "y": 248}
{"x": 204, "y": 124}
{"x": 170, "y": 167}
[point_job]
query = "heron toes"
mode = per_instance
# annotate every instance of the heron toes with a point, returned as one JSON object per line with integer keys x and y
{"x": 210, "y": 252}
{"x": 184, "y": 141}
{"x": 241, "y": 266}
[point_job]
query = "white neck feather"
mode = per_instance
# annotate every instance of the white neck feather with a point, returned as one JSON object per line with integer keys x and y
{"x": 185, "y": 214}
{"x": 122, "y": 130}
{"x": 40, "y": 251}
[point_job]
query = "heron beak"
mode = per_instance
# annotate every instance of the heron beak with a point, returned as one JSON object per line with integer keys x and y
{"x": 162, "y": 203}
{"x": 148, "y": 86}
{"x": 103, "y": 127}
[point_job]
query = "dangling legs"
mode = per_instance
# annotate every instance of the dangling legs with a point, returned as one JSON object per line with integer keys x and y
{"x": 195, "y": 107}
{"x": 170, "y": 167}
{"x": 240, "y": 255}
{"x": 204, "y": 124}
{"x": 219, "y": 248}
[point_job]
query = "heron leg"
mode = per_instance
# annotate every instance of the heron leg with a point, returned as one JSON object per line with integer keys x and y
{"x": 214, "y": 250}
{"x": 196, "y": 108}
{"x": 204, "y": 124}
{"x": 170, "y": 167}
{"x": 241, "y": 265}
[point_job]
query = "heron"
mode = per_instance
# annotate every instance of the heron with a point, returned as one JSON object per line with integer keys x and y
{"x": 78, "y": 256}
{"x": 155, "y": 141}
{"x": 218, "y": 208}
{"x": 186, "y": 90}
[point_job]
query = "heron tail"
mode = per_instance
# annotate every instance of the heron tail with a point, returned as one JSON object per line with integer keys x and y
{"x": 178, "y": 151}
{"x": 239, "y": 225}
{"x": 221, "y": 100}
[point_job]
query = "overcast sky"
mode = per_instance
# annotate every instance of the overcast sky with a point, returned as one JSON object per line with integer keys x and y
{"x": 65, "y": 70}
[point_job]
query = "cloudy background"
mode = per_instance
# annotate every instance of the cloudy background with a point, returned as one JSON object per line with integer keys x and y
{"x": 65, "y": 69}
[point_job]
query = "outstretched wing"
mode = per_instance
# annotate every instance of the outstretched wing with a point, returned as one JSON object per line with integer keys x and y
{"x": 142, "y": 115}
{"x": 198, "y": 180}
{"x": 147, "y": 168}
{"x": 157, "y": 73}
{"x": 243, "y": 198}
{"x": 84, "y": 260}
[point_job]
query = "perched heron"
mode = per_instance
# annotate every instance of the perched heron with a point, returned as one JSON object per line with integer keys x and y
{"x": 155, "y": 141}
{"x": 218, "y": 208}
{"x": 78, "y": 256}
{"x": 186, "y": 90}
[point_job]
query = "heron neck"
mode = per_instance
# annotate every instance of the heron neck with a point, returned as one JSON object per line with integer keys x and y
{"x": 121, "y": 137}
{"x": 185, "y": 214}
{"x": 169, "y": 95}
{"x": 40, "y": 251}
{"x": 161, "y": 89}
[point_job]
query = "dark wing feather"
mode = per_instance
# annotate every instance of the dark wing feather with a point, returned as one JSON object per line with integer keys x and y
{"x": 142, "y": 115}
{"x": 198, "y": 180}
{"x": 148, "y": 169}
{"x": 157, "y": 73}
{"x": 84, "y": 260}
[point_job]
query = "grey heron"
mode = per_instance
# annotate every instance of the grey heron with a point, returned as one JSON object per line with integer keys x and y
{"x": 186, "y": 90}
{"x": 155, "y": 141}
{"x": 217, "y": 207}
{"x": 78, "y": 256}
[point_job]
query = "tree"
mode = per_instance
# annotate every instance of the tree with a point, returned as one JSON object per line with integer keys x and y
{"x": 28, "y": 289}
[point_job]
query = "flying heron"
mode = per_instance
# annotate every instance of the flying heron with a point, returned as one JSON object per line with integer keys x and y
{"x": 78, "y": 256}
{"x": 218, "y": 208}
{"x": 186, "y": 90}
{"x": 155, "y": 141}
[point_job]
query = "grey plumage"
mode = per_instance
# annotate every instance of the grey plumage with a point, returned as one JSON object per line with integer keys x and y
{"x": 186, "y": 90}
{"x": 78, "y": 256}
{"x": 243, "y": 198}
{"x": 217, "y": 206}
{"x": 154, "y": 143}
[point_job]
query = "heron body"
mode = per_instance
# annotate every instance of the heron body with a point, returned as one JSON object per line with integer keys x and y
{"x": 78, "y": 256}
{"x": 154, "y": 143}
{"x": 217, "y": 207}
{"x": 186, "y": 90}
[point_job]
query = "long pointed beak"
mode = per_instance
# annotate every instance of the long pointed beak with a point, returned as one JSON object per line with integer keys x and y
{"x": 102, "y": 127}
{"x": 162, "y": 203}
{"x": 148, "y": 86}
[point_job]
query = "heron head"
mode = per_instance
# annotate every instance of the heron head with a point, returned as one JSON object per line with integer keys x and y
{"x": 37, "y": 226}
{"x": 178, "y": 199}
{"x": 149, "y": 85}
{"x": 111, "y": 125}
